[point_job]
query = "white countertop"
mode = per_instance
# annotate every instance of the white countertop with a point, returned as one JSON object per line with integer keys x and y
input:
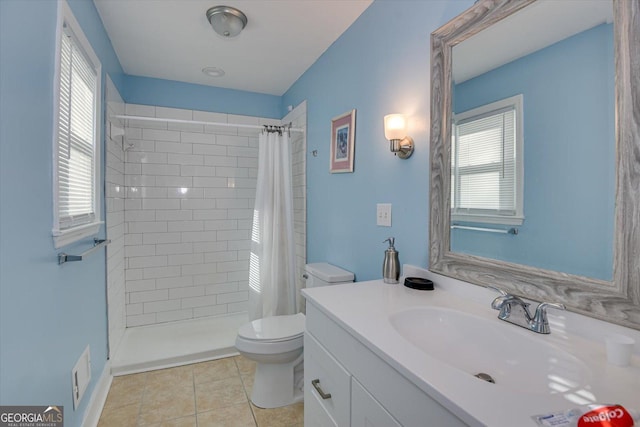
{"x": 363, "y": 309}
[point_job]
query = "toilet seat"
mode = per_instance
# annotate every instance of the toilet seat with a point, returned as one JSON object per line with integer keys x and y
{"x": 274, "y": 329}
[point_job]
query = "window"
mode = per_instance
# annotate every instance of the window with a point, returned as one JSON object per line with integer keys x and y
{"x": 76, "y": 134}
{"x": 487, "y": 164}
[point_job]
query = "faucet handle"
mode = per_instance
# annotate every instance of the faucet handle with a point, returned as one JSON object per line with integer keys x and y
{"x": 540, "y": 323}
{"x": 504, "y": 303}
{"x": 544, "y": 305}
{"x": 502, "y": 300}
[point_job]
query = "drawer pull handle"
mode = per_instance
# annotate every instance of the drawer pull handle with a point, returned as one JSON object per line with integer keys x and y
{"x": 316, "y": 385}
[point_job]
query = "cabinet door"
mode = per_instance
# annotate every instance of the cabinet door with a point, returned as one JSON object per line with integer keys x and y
{"x": 326, "y": 380}
{"x": 366, "y": 411}
{"x": 315, "y": 415}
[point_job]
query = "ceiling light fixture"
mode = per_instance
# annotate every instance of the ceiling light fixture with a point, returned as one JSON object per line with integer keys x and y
{"x": 213, "y": 71}
{"x": 226, "y": 20}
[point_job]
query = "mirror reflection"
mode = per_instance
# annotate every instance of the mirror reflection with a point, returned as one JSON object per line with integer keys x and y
{"x": 533, "y": 139}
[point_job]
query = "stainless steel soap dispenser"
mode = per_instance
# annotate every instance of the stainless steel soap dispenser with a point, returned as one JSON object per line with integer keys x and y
{"x": 391, "y": 264}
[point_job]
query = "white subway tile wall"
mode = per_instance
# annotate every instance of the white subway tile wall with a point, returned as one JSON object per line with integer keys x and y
{"x": 115, "y": 218}
{"x": 187, "y": 216}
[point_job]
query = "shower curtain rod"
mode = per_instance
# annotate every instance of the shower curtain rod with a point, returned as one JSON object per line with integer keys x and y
{"x": 195, "y": 122}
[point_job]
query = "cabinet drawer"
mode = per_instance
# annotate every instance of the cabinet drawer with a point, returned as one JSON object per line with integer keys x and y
{"x": 323, "y": 374}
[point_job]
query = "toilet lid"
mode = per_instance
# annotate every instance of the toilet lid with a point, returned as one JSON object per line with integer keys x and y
{"x": 275, "y": 328}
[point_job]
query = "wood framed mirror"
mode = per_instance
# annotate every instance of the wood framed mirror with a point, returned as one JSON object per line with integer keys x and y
{"x": 616, "y": 300}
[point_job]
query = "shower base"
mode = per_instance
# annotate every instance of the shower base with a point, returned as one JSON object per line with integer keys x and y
{"x": 145, "y": 348}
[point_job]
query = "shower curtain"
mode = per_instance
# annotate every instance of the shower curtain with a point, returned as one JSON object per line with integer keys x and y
{"x": 272, "y": 284}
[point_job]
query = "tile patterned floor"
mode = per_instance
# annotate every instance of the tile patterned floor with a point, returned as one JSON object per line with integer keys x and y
{"x": 208, "y": 394}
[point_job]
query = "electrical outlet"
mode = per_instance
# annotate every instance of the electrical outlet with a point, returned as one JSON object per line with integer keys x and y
{"x": 383, "y": 214}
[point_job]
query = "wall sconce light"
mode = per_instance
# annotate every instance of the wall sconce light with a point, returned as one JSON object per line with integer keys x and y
{"x": 395, "y": 130}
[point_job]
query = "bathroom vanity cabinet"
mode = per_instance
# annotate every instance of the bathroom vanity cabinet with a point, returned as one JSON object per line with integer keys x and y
{"x": 389, "y": 355}
{"x": 364, "y": 389}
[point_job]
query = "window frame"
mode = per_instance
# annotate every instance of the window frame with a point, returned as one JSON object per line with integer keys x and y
{"x": 66, "y": 236}
{"x": 516, "y": 102}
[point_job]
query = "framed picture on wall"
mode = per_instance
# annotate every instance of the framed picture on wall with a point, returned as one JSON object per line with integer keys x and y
{"x": 343, "y": 132}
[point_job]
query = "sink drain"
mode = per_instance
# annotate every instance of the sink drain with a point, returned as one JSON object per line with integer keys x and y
{"x": 485, "y": 377}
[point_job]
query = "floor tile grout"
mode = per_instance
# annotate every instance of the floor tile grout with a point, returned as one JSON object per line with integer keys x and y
{"x": 246, "y": 392}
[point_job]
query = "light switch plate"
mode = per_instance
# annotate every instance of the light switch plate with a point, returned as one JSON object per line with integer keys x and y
{"x": 383, "y": 214}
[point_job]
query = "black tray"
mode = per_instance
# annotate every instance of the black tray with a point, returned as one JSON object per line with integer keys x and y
{"x": 418, "y": 283}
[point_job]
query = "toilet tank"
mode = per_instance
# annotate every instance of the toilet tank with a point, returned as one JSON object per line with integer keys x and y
{"x": 323, "y": 274}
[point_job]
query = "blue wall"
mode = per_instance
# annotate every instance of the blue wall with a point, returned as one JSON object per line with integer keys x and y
{"x": 380, "y": 65}
{"x": 167, "y": 93}
{"x": 569, "y": 155}
{"x": 48, "y": 313}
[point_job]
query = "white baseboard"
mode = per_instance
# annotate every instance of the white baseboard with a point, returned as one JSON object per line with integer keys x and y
{"x": 98, "y": 398}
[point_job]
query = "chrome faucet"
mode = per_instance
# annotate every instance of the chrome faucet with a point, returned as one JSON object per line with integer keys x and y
{"x": 514, "y": 310}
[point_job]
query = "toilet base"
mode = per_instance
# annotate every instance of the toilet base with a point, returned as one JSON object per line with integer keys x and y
{"x": 273, "y": 385}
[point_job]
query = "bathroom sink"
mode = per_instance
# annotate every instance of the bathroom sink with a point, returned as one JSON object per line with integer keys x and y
{"x": 513, "y": 357}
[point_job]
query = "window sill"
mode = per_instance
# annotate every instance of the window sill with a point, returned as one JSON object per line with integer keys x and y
{"x": 488, "y": 219}
{"x": 66, "y": 237}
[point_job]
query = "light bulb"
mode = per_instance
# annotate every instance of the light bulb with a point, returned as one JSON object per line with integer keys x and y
{"x": 394, "y": 126}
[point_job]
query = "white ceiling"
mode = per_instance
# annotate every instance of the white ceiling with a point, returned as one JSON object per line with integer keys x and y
{"x": 532, "y": 28}
{"x": 172, "y": 39}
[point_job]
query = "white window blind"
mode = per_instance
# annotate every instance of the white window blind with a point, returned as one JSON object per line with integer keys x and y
{"x": 76, "y": 133}
{"x": 76, "y": 139}
{"x": 486, "y": 165}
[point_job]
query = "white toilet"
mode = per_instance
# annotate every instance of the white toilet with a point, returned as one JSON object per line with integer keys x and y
{"x": 275, "y": 344}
